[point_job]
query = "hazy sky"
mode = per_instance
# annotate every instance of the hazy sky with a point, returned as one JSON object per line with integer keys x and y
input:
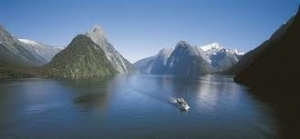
{"x": 140, "y": 28}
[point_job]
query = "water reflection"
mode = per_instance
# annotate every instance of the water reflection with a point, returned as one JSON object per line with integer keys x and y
{"x": 212, "y": 91}
{"x": 133, "y": 106}
{"x": 91, "y": 93}
{"x": 91, "y": 101}
{"x": 286, "y": 108}
{"x": 221, "y": 99}
{"x": 208, "y": 90}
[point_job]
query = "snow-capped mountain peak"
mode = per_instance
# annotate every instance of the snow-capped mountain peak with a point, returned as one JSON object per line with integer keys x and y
{"x": 40, "y": 50}
{"x": 212, "y": 49}
{"x": 215, "y": 46}
{"x": 28, "y": 41}
{"x": 214, "y": 54}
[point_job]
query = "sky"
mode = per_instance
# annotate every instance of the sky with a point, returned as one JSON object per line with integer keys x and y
{"x": 140, "y": 28}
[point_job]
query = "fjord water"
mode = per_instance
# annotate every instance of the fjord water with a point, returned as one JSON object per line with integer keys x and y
{"x": 133, "y": 107}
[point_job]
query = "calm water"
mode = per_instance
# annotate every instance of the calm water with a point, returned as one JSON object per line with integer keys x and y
{"x": 132, "y": 107}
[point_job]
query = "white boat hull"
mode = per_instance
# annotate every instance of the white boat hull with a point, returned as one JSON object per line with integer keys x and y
{"x": 186, "y": 107}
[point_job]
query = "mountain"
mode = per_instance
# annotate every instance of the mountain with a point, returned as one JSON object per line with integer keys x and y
{"x": 154, "y": 64}
{"x": 145, "y": 65}
{"x": 82, "y": 58}
{"x": 13, "y": 53}
{"x": 272, "y": 73}
{"x": 18, "y": 56}
{"x": 248, "y": 58}
{"x": 160, "y": 61}
{"x": 217, "y": 57}
{"x": 276, "y": 62}
{"x": 45, "y": 51}
{"x": 88, "y": 55}
{"x": 118, "y": 61}
{"x": 186, "y": 60}
{"x": 220, "y": 58}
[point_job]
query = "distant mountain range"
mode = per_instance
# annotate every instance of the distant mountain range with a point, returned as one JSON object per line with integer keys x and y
{"x": 220, "y": 58}
{"x": 189, "y": 60}
{"x": 47, "y": 52}
{"x": 91, "y": 55}
{"x": 22, "y": 52}
{"x": 17, "y": 55}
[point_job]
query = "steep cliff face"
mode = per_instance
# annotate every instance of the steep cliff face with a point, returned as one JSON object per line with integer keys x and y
{"x": 145, "y": 65}
{"x": 154, "y": 64}
{"x": 160, "y": 61}
{"x": 186, "y": 60}
{"x": 81, "y": 59}
{"x": 276, "y": 61}
{"x": 97, "y": 35}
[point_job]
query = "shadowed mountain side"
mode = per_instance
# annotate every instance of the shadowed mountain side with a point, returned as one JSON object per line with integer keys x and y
{"x": 277, "y": 61}
{"x": 272, "y": 70}
{"x": 145, "y": 65}
{"x": 249, "y": 57}
{"x": 18, "y": 72}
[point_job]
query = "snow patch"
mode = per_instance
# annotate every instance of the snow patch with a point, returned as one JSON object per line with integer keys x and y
{"x": 37, "y": 51}
{"x": 211, "y": 46}
{"x": 238, "y": 52}
{"x": 28, "y": 41}
{"x": 60, "y": 47}
{"x": 123, "y": 64}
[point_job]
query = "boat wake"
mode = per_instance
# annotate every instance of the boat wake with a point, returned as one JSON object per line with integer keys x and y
{"x": 177, "y": 102}
{"x": 172, "y": 99}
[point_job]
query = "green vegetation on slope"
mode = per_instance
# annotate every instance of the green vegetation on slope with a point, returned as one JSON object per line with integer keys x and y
{"x": 81, "y": 59}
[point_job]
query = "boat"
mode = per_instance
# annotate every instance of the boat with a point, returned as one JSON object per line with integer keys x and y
{"x": 182, "y": 104}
